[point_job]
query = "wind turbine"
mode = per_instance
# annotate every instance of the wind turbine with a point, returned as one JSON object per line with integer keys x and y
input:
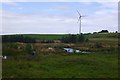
{"x": 79, "y": 19}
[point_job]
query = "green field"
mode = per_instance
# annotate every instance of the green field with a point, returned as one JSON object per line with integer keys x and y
{"x": 45, "y": 36}
{"x": 101, "y": 62}
{"x": 58, "y": 36}
{"x": 99, "y": 65}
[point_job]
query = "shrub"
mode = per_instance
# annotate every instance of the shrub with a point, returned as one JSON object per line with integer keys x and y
{"x": 98, "y": 45}
{"x": 28, "y": 48}
{"x": 72, "y": 38}
{"x": 17, "y": 38}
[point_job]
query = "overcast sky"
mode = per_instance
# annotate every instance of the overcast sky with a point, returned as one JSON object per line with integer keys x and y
{"x": 58, "y": 17}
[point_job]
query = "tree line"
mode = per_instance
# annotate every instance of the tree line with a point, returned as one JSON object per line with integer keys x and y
{"x": 71, "y": 38}
{"x": 17, "y": 38}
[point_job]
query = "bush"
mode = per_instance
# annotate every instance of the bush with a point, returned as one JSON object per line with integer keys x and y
{"x": 17, "y": 38}
{"x": 71, "y": 38}
{"x": 98, "y": 45}
{"x": 28, "y": 48}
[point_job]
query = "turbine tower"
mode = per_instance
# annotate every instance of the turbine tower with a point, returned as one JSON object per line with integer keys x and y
{"x": 79, "y": 19}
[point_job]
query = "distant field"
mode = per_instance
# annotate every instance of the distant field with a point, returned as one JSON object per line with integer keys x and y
{"x": 45, "y": 36}
{"x": 59, "y": 36}
{"x": 109, "y": 35}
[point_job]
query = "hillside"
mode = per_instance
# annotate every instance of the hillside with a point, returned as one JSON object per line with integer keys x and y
{"x": 58, "y": 36}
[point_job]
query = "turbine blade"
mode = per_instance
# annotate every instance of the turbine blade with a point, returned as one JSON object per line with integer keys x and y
{"x": 78, "y": 19}
{"x": 83, "y": 16}
{"x": 78, "y": 13}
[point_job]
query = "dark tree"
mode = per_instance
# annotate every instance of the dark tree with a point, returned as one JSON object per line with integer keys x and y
{"x": 103, "y": 31}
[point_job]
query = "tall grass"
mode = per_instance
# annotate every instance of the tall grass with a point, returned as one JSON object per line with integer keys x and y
{"x": 97, "y": 65}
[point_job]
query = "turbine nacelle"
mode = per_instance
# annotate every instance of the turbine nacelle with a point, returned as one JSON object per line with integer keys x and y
{"x": 80, "y": 16}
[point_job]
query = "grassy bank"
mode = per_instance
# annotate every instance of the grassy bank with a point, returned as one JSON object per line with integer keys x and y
{"x": 94, "y": 65}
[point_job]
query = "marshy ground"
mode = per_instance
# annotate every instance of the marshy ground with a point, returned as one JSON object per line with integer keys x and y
{"x": 51, "y": 61}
